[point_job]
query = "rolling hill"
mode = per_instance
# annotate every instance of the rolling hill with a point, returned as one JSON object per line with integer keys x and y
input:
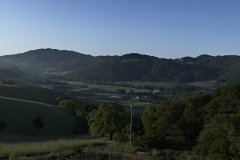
{"x": 50, "y": 59}
{"x": 19, "y": 114}
{"x": 21, "y": 103}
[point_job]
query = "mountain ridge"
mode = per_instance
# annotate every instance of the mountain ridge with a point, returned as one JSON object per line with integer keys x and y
{"x": 131, "y": 66}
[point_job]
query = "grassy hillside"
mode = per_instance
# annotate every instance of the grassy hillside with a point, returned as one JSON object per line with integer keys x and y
{"x": 18, "y": 116}
{"x": 30, "y": 93}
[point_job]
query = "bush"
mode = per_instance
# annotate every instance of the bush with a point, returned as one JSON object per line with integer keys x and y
{"x": 37, "y": 122}
{"x": 6, "y": 82}
{"x": 120, "y": 137}
{"x": 13, "y": 156}
{"x": 75, "y": 157}
{"x": 52, "y": 157}
{"x": 146, "y": 142}
{"x": 102, "y": 156}
{"x": 122, "y": 147}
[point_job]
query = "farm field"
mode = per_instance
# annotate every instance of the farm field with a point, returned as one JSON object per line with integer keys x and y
{"x": 164, "y": 83}
{"x": 24, "y": 80}
{"x": 18, "y": 116}
{"x": 20, "y": 80}
{"x": 105, "y": 91}
{"x": 31, "y": 93}
{"x": 105, "y": 88}
{"x": 209, "y": 85}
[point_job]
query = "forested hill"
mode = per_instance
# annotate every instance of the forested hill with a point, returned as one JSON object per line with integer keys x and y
{"x": 142, "y": 67}
{"x": 51, "y": 59}
{"x": 147, "y": 68}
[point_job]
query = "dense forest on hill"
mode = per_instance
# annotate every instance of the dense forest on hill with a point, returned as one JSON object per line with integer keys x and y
{"x": 147, "y": 68}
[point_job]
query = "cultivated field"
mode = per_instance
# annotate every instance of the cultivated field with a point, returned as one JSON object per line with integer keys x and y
{"x": 163, "y": 83}
{"x": 209, "y": 85}
{"x": 103, "y": 92}
{"x": 32, "y": 93}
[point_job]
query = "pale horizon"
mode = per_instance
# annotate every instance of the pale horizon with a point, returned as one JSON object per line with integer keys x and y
{"x": 164, "y": 29}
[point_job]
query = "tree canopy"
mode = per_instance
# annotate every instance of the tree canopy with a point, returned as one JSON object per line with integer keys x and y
{"x": 206, "y": 123}
{"x": 109, "y": 118}
{"x": 37, "y": 122}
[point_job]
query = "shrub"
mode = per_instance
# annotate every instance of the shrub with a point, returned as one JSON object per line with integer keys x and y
{"x": 37, "y": 122}
{"x": 75, "y": 157}
{"x": 122, "y": 147}
{"x": 102, "y": 156}
{"x": 13, "y": 156}
{"x": 120, "y": 137}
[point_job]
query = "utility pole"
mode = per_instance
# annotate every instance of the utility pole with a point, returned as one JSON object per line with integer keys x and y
{"x": 131, "y": 122}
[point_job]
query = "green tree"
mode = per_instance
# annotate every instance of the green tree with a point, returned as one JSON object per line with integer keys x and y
{"x": 220, "y": 137}
{"x": 109, "y": 118}
{"x": 176, "y": 122}
{"x": 225, "y": 100}
{"x": 37, "y": 122}
{"x": 82, "y": 113}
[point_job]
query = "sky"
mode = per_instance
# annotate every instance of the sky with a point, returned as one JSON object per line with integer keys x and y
{"x": 161, "y": 28}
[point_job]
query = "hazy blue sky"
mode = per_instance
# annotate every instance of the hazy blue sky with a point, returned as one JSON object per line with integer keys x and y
{"x": 163, "y": 28}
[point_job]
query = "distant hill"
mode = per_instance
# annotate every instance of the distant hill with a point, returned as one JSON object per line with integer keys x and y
{"x": 50, "y": 59}
{"x": 147, "y": 68}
